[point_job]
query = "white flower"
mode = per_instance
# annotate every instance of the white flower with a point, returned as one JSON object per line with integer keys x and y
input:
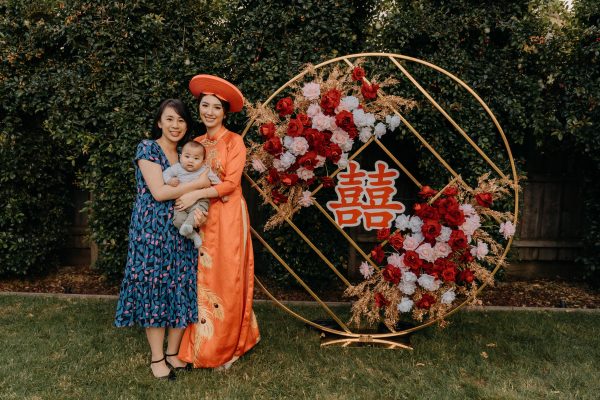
{"x": 468, "y": 210}
{"x": 415, "y": 224}
{"x": 363, "y": 119}
{"x": 339, "y": 137}
{"x": 284, "y": 162}
{"x": 429, "y": 282}
{"x": 343, "y": 161}
{"x": 306, "y": 200}
{"x": 402, "y": 222}
{"x": 393, "y": 121}
{"x": 366, "y": 269}
{"x": 365, "y": 134}
{"x": 471, "y": 224}
{"x": 448, "y": 297}
{"x": 258, "y": 165}
{"x": 299, "y": 146}
{"x": 407, "y": 287}
{"x": 311, "y": 90}
{"x": 322, "y": 122}
{"x": 348, "y": 103}
{"x": 480, "y": 251}
{"x": 287, "y": 141}
{"x": 444, "y": 235}
{"x": 396, "y": 260}
{"x": 347, "y": 145}
{"x": 405, "y": 305}
{"x": 442, "y": 249}
{"x": 507, "y": 229}
{"x": 305, "y": 174}
{"x": 320, "y": 161}
{"x": 408, "y": 276}
{"x": 411, "y": 242}
{"x": 313, "y": 109}
{"x": 380, "y": 130}
{"x": 426, "y": 252}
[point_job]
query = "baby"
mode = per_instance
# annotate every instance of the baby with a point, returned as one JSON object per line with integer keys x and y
{"x": 190, "y": 167}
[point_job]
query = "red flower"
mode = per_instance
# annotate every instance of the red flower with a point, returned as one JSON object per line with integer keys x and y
{"x": 295, "y": 127}
{"x": 431, "y": 229}
{"x": 466, "y": 276}
{"x": 345, "y": 120}
{"x": 380, "y": 300}
{"x": 273, "y": 176}
{"x": 445, "y": 205}
{"x": 449, "y": 274}
{"x": 458, "y": 240}
{"x": 327, "y": 182}
{"x": 427, "y": 192}
{"x": 383, "y": 234}
{"x": 358, "y": 74}
{"x": 314, "y": 138}
{"x": 466, "y": 256}
{"x": 273, "y": 146}
{"x": 285, "y": 106}
{"x": 278, "y": 198}
{"x": 412, "y": 260}
{"x": 377, "y": 254}
{"x": 330, "y": 100}
{"x": 308, "y": 160}
{"x": 392, "y": 274}
{"x": 369, "y": 92}
{"x": 333, "y": 152}
{"x": 455, "y": 217}
{"x": 451, "y": 191}
{"x": 396, "y": 241}
{"x": 426, "y": 301}
{"x": 267, "y": 130}
{"x": 425, "y": 211}
{"x": 289, "y": 179}
{"x": 306, "y": 121}
{"x": 484, "y": 199}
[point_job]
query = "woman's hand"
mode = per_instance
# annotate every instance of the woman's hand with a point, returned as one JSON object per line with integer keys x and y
{"x": 202, "y": 181}
{"x": 200, "y": 218}
{"x": 186, "y": 200}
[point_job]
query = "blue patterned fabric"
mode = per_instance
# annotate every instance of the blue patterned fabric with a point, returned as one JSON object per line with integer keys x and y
{"x": 159, "y": 286}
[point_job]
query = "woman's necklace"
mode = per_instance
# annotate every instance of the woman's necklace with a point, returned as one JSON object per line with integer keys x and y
{"x": 211, "y": 142}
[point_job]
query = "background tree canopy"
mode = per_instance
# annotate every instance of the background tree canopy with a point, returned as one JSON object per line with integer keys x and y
{"x": 79, "y": 82}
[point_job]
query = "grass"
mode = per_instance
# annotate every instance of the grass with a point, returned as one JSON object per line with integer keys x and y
{"x": 55, "y": 348}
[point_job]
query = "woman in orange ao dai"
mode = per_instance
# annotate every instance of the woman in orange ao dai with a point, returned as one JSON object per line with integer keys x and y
{"x": 227, "y": 326}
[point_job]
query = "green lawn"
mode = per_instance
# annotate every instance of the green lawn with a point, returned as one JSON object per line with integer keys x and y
{"x": 68, "y": 349}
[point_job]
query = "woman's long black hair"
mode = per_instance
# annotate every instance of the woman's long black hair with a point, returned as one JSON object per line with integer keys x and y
{"x": 181, "y": 110}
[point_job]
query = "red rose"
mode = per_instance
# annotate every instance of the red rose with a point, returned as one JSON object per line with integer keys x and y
{"x": 412, "y": 260}
{"x": 358, "y": 74}
{"x": 455, "y": 217}
{"x": 278, "y": 198}
{"x": 289, "y": 179}
{"x": 427, "y": 192}
{"x": 383, "y": 234}
{"x": 380, "y": 300}
{"x": 425, "y": 211}
{"x": 392, "y": 274}
{"x": 295, "y": 128}
{"x": 451, "y": 191}
{"x": 273, "y": 176}
{"x": 429, "y": 269}
{"x": 426, "y": 301}
{"x": 466, "y": 256}
{"x": 330, "y": 100}
{"x": 369, "y": 92}
{"x": 377, "y": 254}
{"x": 466, "y": 276}
{"x": 285, "y": 106}
{"x": 396, "y": 241}
{"x": 333, "y": 152}
{"x": 273, "y": 146}
{"x": 449, "y": 274}
{"x": 267, "y": 130}
{"x": 327, "y": 182}
{"x": 308, "y": 160}
{"x": 445, "y": 205}
{"x": 458, "y": 240}
{"x": 431, "y": 229}
{"x": 313, "y": 137}
{"x": 484, "y": 199}
{"x": 304, "y": 119}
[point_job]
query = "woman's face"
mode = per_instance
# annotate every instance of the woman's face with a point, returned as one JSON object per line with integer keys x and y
{"x": 211, "y": 111}
{"x": 173, "y": 126}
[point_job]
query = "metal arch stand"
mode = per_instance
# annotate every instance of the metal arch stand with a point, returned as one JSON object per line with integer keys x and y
{"x": 366, "y": 340}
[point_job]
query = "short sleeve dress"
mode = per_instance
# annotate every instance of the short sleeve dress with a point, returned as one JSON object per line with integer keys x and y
{"x": 159, "y": 285}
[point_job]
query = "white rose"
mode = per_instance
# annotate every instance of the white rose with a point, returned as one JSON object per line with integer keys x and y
{"x": 311, "y": 90}
{"x": 405, "y": 305}
{"x": 448, "y": 297}
{"x": 380, "y": 130}
{"x": 299, "y": 146}
{"x": 429, "y": 282}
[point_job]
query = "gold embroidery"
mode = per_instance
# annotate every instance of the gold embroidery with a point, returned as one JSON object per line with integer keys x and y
{"x": 210, "y": 307}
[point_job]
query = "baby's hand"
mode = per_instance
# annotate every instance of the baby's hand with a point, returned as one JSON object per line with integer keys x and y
{"x": 173, "y": 182}
{"x": 225, "y": 199}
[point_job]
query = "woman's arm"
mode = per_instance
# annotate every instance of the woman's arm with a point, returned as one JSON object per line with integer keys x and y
{"x": 153, "y": 177}
{"x": 187, "y": 199}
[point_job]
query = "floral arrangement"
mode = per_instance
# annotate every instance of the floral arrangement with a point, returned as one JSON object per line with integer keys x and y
{"x": 434, "y": 257}
{"x": 311, "y": 133}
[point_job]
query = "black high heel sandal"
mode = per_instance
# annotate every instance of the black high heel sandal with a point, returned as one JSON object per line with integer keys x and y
{"x": 170, "y": 376}
{"x": 188, "y": 366}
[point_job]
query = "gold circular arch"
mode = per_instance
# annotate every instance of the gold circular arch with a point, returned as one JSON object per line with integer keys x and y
{"x": 345, "y": 335}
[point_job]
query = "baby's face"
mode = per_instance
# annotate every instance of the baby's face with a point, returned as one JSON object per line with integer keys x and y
{"x": 191, "y": 158}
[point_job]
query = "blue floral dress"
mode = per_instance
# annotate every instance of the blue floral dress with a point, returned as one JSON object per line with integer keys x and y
{"x": 159, "y": 286}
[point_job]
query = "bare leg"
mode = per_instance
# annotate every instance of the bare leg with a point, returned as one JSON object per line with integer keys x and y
{"x": 156, "y": 339}
{"x": 173, "y": 342}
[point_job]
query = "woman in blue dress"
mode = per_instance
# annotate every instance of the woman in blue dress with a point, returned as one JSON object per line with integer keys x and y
{"x": 158, "y": 291}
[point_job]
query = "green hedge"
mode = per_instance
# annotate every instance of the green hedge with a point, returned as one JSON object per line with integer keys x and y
{"x": 87, "y": 78}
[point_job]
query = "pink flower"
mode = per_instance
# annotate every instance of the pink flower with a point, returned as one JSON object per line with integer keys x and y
{"x": 313, "y": 109}
{"x": 258, "y": 165}
{"x": 411, "y": 243}
{"x": 366, "y": 269}
{"x": 339, "y": 137}
{"x": 299, "y": 146}
{"x": 426, "y": 252}
{"x": 322, "y": 122}
{"x": 507, "y": 229}
{"x": 311, "y": 90}
{"x": 442, "y": 249}
{"x": 306, "y": 200}
{"x": 471, "y": 224}
{"x": 480, "y": 251}
{"x": 305, "y": 174}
